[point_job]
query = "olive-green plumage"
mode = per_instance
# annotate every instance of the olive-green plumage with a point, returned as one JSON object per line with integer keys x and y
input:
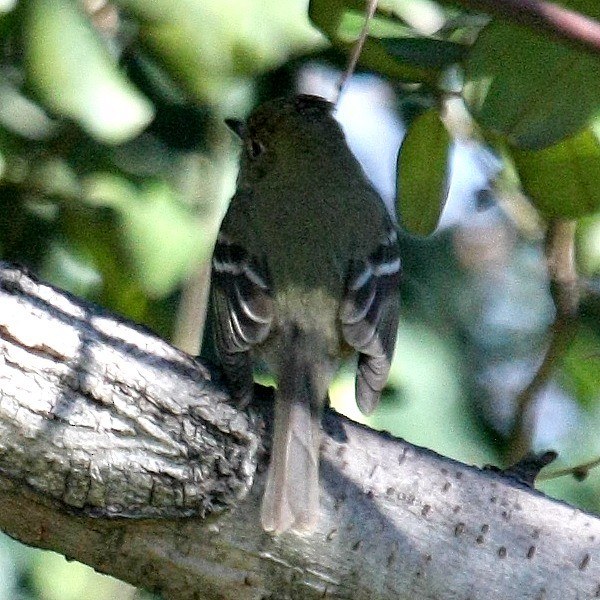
{"x": 305, "y": 272}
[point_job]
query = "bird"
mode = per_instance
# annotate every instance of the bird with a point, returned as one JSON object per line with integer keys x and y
{"x": 305, "y": 274}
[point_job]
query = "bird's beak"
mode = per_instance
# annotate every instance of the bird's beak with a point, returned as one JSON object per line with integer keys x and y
{"x": 238, "y": 127}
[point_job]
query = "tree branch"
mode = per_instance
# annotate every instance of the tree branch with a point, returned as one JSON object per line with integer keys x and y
{"x": 101, "y": 419}
{"x": 546, "y": 17}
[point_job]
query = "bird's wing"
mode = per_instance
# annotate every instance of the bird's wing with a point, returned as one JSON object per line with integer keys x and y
{"x": 243, "y": 309}
{"x": 369, "y": 315}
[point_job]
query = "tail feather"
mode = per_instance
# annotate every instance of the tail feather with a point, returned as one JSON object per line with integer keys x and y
{"x": 291, "y": 498}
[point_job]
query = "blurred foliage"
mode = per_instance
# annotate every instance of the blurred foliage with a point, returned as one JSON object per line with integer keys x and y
{"x": 533, "y": 102}
{"x": 564, "y": 179}
{"x": 115, "y": 169}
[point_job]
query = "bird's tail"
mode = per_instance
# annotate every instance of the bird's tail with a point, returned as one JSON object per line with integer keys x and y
{"x": 291, "y": 498}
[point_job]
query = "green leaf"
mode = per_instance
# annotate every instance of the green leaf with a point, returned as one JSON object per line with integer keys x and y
{"x": 562, "y": 180}
{"x": 72, "y": 72}
{"x": 160, "y": 236}
{"x": 352, "y": 23}
{"x": 580, "y": 368}
{"x": 209, "y": 49}
{"x": 331, "y": 17}
{"x": 425, "y": 52}
{"x": 533, "y": 89}
{"x": 423, "y": 173}
{"x": 163, "y": 238}
{"x": 91, "y": 237}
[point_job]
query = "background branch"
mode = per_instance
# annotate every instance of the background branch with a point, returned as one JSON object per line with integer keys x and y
{"x": 565, "y": 291}
{"x": 101, "y": 418}
{"x": 546, "y": 17}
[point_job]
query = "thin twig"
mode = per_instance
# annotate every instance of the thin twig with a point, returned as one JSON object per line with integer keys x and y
{"x": 360, "y": 42}
{"x": 578, "y": 471}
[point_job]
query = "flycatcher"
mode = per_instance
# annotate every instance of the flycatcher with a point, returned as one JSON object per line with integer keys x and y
{"x": 306, "y": 273}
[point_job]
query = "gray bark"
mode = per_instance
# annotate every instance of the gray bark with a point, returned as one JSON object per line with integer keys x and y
{"x": 119, "y": 451}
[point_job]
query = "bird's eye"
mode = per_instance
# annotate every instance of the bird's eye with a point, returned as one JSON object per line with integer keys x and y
{"x": 255, "y": 148}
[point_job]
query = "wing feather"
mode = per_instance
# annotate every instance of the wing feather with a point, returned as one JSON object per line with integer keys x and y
{"x": 243, "y": 310}
{"x": 369, "y": 315}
